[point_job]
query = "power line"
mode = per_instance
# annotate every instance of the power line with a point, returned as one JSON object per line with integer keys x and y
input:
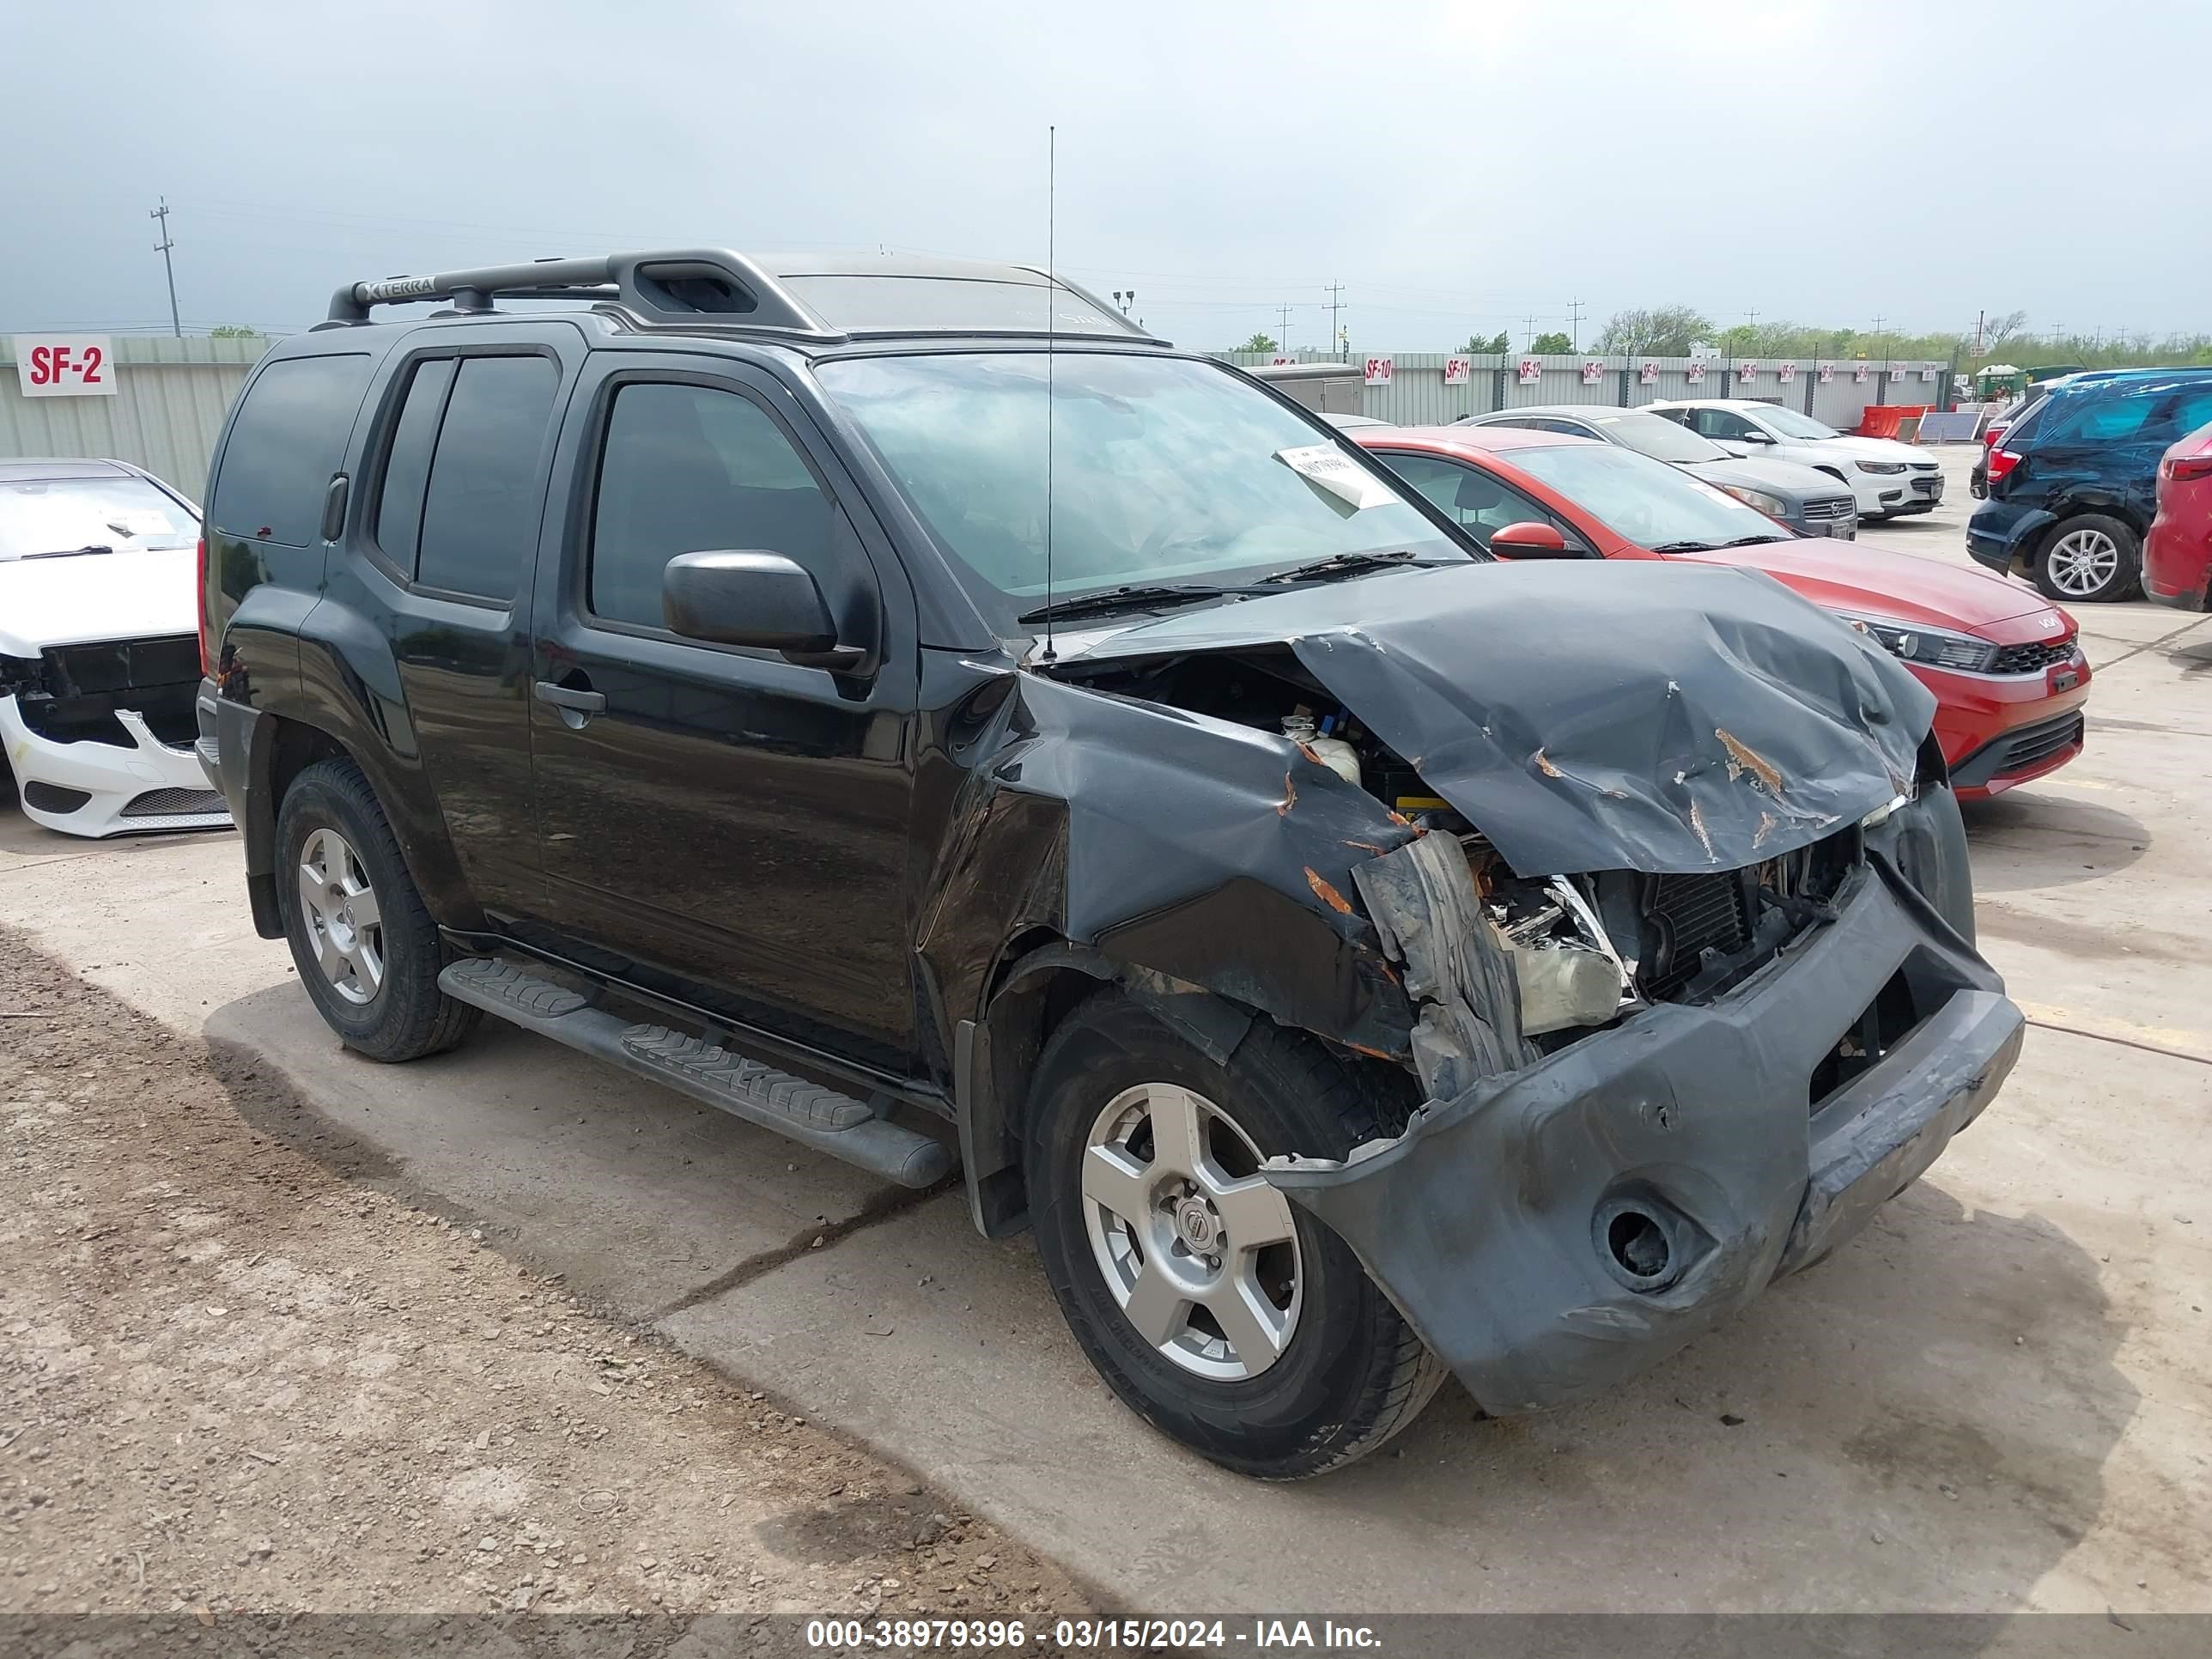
{"x": 162, "y": 248}
{"x": 1335, "y": 292}
{"x": 1283, "y": 331}
{"x": 1575, "y": 324}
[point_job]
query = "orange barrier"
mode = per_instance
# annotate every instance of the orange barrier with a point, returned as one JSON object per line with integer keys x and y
{"x": 1887, "y": 420}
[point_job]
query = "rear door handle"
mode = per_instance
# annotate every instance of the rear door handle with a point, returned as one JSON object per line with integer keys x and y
{"x": 561, "y": 696}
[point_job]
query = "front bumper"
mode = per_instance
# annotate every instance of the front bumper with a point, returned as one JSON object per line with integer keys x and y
{"x": 107, "y": 789}
{"x": 2000, "y": 730}
{"x": 1491, "y": 1221}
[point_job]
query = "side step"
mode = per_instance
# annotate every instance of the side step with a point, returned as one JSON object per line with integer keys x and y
{"x": 806, "y": 1112}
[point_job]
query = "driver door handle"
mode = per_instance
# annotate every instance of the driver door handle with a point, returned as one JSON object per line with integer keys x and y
{"x": 569, "y": 700}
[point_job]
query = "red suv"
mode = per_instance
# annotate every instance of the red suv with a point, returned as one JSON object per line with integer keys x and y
{"x": 2178, "y": 554}
{"x": 2005, "y": 666}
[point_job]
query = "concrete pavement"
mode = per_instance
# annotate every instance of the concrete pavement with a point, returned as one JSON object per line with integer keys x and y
{"x": 1994, "y": 1398}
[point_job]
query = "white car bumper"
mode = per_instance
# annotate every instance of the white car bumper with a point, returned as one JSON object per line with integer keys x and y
{"x": 106, "y": 788}
{"x": 1881, "y": 494}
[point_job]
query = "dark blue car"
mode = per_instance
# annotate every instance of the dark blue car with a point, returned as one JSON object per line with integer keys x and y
{"x": 2072, "y": 485}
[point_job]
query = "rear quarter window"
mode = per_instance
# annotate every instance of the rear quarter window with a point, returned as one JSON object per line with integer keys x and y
{"x": 287, "y": 440}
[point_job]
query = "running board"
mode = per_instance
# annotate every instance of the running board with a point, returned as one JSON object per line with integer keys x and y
{"x": 805, "y": 1112}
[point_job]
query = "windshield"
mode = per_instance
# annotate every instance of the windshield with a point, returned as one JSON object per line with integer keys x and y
{"x": 1790, "y": 424}
{"x": 1646, "y": 502}
{"x": 1164, "y": 470}
{"x": 66, "y": 515}
{"x": 1662, "y": 440}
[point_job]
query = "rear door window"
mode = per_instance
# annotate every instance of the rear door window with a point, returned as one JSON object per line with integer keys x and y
{"x": 1477, "y": 501}
{"x": 486, "y": 492}
{"x": 407, "y": 467}
{"x": 286, "y": 442}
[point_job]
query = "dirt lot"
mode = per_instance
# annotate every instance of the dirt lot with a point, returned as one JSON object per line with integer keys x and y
{"x": 239, "y": 1374}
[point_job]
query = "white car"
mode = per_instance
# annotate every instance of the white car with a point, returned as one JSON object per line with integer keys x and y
{"x": 1887, "y": 478}
{"x": 100, "y": 649}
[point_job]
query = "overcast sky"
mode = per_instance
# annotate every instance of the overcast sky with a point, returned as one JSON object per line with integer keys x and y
{"x": 1457, "y": 168}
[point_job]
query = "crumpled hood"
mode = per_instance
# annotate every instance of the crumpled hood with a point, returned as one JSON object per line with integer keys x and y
{"x": 143, "y": 594}
{"x": 1589, "y": 716}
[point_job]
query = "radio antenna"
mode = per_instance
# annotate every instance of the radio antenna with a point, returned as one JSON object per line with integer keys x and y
{"x": 1051, "y": 306}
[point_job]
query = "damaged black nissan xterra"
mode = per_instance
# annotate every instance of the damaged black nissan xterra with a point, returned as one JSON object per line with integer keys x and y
{"x": 905, "y": 706}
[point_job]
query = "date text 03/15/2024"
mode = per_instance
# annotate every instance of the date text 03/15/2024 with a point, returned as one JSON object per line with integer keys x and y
{"x": 1081, "y": 1635}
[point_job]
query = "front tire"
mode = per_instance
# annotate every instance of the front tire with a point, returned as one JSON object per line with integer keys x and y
{"x": 365, "y": 947}
{"x": 2089, "y": 557}
{"x": 1219, "y": 1313}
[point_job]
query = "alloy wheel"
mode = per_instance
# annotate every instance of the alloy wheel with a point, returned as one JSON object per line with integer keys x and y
{"x": 2083, "y": 563}
{"x": 1199, "y": 1251}
{"x": 339, "y": 906}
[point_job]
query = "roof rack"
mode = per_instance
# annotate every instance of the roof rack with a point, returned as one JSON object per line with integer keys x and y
{"x": 685, "y": 285}
{"x": 713, "y": 287}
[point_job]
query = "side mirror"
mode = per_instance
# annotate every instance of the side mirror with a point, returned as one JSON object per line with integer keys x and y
{"x": 1754, "y": 436}
{"x": 753, "y": 598}
{"x": 1528, "y": 539}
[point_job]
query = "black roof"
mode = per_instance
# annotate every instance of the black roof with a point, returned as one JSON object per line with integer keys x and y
{"x": 28, "y": 470}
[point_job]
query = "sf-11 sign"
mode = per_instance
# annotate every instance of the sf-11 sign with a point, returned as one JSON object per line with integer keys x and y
{"x": 1458, "y": 370}
{"x": 65, "y": 366}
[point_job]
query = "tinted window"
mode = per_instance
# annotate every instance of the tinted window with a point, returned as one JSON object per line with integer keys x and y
{"x": 407, "y": 469}
{"x": 287, "y": 440}
{"x": 687, "y": 468}
{"x": 481, "y": 510}
{"x": 1480, "y": 502}
{"x": 61, "y": 515}
{"x": 1720, "y": 423}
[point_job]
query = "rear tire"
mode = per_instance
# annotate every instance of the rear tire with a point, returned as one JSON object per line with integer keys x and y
{"x": 2088, "y": 558}
{"x": 1349, "y": 1371}
{"x": 365, "y": 947}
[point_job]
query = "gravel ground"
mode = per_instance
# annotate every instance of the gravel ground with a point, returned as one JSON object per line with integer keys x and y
{"x": 234, "y": 1377}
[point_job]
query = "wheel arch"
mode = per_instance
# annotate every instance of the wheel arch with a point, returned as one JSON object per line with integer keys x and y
{"x": 1038, "y": 978}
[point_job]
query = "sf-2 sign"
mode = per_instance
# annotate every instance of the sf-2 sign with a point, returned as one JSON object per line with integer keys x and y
{"x": 65, "y": 366}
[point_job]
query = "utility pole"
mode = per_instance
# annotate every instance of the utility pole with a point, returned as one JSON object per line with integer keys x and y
{"x": 1979, "y": 317}
{"x": 1529, "y": 333}
{"x": 1575, "y": 324}
{"x": 1283, "y": 334}
{"x": 1335, "y": 292}
{"x": 162, "y": 248}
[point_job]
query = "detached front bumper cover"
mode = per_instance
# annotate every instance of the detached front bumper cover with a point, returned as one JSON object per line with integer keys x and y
{"x": 1557, "y": 1228}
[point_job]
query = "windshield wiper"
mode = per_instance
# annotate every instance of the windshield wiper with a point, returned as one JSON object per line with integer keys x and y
{"x": 1127, "y": 598}
{"x": 1340, "y": 564}
{"x": 72, "y": 552}
{"x": 1714, "y": 547}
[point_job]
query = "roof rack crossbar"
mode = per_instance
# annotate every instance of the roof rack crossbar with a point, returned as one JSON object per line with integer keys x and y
{"x": 680, "y": 285}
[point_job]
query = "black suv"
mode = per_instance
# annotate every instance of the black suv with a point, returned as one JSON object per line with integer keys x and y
{"x": 905, "y": 706}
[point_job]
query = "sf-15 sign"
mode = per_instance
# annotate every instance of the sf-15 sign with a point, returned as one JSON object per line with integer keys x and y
{"x": 65, "y": 366}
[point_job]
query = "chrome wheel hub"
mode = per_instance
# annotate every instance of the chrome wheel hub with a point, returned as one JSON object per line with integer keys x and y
{"x": 2082, "y": 562}
{"x": 344, "y": 924}
{"x": 1200, "y": 1252}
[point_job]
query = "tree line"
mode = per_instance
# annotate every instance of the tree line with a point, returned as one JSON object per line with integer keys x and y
{"x": 1670, "y": 331}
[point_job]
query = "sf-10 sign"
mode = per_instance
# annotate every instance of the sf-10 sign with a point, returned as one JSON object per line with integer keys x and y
{"x": 65, "y": 366}
{"x": 1378, "y": 371}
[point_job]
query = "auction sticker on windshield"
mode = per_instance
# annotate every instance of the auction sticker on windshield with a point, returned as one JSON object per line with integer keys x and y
{"x": 1326, "y": 468}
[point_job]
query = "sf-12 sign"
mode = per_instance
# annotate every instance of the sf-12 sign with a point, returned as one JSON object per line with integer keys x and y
{"x": 1531, "y": 371}
{"x": 1378, "y": 370}
{"x": 65, "y": 366}
{"x": 1458, "y": 371}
